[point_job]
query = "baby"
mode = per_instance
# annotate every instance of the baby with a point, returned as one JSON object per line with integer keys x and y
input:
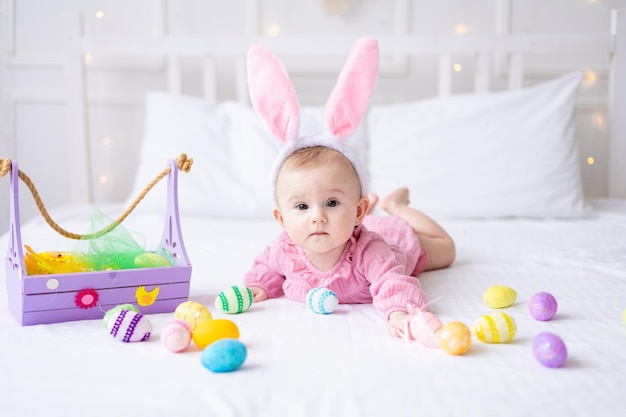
{"x": 320, "y": 188}
{"x": 329, "y": 241}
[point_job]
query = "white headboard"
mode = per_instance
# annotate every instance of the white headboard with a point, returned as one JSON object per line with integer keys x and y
{"x": 498, "y": 62}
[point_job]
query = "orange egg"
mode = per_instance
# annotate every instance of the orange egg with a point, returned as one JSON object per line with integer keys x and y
{"x": 455, "y": 338}
{"x": 212, "y": 330}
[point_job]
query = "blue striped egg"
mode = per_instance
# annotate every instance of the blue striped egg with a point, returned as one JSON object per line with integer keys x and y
{"x": 495, "y": 328}
{"x": 321, "y": 300}
{"x": 234, "y": 300}
{"x": 129, "y": 326}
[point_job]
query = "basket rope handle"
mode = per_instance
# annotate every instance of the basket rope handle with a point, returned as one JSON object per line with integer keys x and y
{"x": 184, "y": 164}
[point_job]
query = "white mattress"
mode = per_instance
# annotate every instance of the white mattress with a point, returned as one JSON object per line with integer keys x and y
{"x": 346, "y": 364}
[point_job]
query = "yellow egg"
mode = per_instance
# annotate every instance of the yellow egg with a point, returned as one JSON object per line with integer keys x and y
{"x": 495, "y": 328}
{"x": 193, "y": 313}
{"x": 150, "y": 260}
{"x": 213, "y": 330}
{"x": 455, "y": 338}
{"x": 499, "y": 296}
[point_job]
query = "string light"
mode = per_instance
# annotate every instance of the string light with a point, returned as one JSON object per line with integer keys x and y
{"x": 591, "y": 160}
{"x": 598, "y": 120}
{"x": 461, "y": 29}
{"x": 272, "y": 30}
{"x": 99, "y": 14}
{"x": 457, "y": 67}
{"x": 589, "y": 78}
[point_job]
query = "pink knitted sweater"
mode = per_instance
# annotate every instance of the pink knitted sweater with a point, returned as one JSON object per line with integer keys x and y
{"x": 378, "y": 265}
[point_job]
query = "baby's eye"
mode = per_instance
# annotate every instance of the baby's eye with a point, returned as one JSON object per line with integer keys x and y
{"x": 301, "y": 207}
{"x": 332, "y": 203}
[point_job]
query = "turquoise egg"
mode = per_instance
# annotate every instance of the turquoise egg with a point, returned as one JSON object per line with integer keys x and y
{"x": 224, "y": 355}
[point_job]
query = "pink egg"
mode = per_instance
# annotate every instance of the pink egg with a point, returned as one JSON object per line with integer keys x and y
{"x": 549, "y": 349}
{"x": 542, "y": 306}
{"x": 176, "y": 335}
{"x": 424, "y": 327}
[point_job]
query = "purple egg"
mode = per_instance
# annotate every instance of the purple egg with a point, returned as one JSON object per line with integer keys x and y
{"x": 542, "y": 306}
{"x": 549, "y": 350}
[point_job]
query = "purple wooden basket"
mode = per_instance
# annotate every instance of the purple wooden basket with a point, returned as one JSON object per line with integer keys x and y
{"x": 41, "y": 299}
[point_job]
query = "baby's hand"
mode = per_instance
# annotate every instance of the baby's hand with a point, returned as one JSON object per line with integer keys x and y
{"x": 258, "y": 293}
{"x": 395, "y": 322}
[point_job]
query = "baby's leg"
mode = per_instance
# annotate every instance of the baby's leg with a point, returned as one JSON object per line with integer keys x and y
{"x": 433, "y": 238}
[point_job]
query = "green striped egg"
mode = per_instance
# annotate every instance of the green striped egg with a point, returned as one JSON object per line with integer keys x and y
{"x": 495, "y": 328}
{"x": 234, "y": 300}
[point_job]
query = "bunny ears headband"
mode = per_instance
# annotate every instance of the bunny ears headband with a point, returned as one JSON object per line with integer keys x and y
{"x": 275, "y": 101}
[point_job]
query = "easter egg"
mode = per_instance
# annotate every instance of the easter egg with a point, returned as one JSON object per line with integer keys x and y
{"x": 423, "y": 327}
{"x": 495, "y": 328}
{"x": 234, "y": 300}
{"x": 549, "y": 349}
{"x": 542, "y": 306}
{"x": 193, "y": 313}
{"x": 150, "y": 260}
{"x": 176, "y": 335}
{"x": 455, "y": 338}
{"x": 499, "y": 296}
{"x": 129, "y": 326}
{"x": 224, "y": 355}
{"x": 212, "y": 330}
{"x": 321, "y": 300}
{"x": 117, "y": 308}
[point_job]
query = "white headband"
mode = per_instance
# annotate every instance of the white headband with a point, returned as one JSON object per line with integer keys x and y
{"x": 327, "y": 142}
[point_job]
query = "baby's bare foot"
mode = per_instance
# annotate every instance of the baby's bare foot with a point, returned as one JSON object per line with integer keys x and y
{"x": 394, "y": 201}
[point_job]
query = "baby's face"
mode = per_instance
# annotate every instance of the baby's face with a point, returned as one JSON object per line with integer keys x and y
{"x": 318, "y": 206}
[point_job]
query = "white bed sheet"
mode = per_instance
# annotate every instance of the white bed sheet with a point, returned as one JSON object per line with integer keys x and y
{"x": 345, "y": 364}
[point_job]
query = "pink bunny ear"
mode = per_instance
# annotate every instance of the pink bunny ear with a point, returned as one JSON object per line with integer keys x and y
{"x": 272, "y": 93}
{"x": 348, "y": 101}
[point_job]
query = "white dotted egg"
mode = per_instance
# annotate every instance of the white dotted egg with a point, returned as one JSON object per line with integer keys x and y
{"x": 129, "y": 326}
{"x": 234, "y": 300}
{"x": 321, "y": 300}
{"x": 495, "y": 328}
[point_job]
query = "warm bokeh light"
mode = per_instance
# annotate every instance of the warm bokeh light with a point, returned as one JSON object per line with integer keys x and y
{"x": 99, "y": 14}
{"x": 457, "y": 67}
{"x": 461, "y": 29}
{"x": 106, "y": 141}
{"x": 103, "y": 179}
{"x": 589, "y": 78}
{"x": 598, "y": 120}
{"x": 591, "y": 160}
{"x": 272, "y": 30}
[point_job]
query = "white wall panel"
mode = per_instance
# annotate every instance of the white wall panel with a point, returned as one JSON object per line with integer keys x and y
{"x": 33, "y": 35}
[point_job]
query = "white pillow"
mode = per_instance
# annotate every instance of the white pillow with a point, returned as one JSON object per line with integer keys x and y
{"x": 232, "y": 151}
{"x": 500, "y": 154}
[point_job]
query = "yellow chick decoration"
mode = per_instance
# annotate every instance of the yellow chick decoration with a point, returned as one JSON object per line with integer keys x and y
{"x": 146, "y": 298}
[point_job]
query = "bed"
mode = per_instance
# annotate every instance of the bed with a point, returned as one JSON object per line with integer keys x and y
{"x": 517, "y": 214}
